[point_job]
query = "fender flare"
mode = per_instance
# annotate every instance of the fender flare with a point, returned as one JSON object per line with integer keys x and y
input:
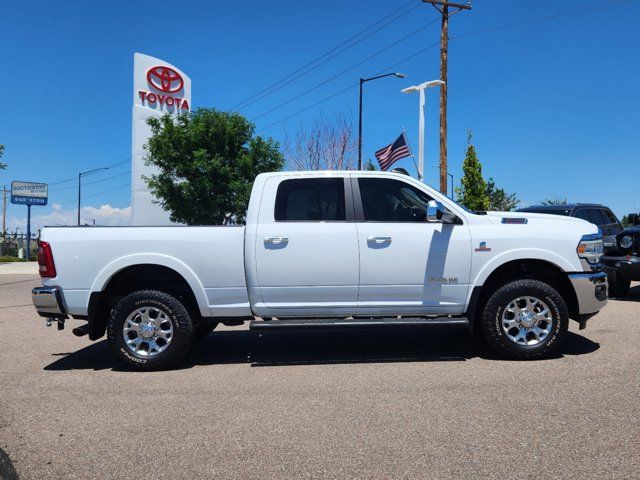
{"x": 523, "y": 254}
{"x": 107, "y": 273}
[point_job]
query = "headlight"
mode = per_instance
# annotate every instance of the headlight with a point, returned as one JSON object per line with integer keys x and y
{"x": 590, "y": 248}
{"x": 626, "y": 242}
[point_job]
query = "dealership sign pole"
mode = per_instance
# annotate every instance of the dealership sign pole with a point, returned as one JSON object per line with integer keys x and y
{"x": 159, "y": 88}
{"x": 29, "y": 193}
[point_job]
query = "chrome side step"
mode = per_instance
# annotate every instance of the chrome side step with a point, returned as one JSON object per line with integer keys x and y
{"x": 318, "y": 323}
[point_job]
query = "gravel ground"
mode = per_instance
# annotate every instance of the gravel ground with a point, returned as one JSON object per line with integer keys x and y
{"x": 383, "y": 404}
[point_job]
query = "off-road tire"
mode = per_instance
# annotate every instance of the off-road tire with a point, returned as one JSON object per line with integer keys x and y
{"x": 497, "y": 339}
{"x": 203, "y": 329}
{"x": 618, "y": 285}
{"x": 181, "y": 341}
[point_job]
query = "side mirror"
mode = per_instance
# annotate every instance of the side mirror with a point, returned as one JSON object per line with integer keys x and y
{"x": 435, "y": 210}
{"x": 633, "y": 219}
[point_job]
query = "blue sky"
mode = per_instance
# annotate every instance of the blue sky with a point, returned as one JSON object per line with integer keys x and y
{"x": 553, "y": 104}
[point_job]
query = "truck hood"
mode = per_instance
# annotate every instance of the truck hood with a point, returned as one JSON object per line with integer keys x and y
{"x": 496, "y": 217}
{"x": 635, "y": 230}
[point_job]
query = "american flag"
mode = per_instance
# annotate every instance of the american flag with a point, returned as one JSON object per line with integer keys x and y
{"x": 393, "y": 152}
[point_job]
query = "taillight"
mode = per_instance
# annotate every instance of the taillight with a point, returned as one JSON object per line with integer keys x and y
{"x": 45, "y": 260}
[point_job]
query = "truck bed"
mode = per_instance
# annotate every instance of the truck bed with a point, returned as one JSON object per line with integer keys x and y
{"x": 210, "y": 259}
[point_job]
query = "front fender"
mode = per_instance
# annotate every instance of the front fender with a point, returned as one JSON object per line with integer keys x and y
{"x": 523, "y": 254}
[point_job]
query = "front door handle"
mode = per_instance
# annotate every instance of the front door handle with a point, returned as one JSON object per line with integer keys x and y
{"x": 276, "y": 240}
{"x": 378, "y": 239}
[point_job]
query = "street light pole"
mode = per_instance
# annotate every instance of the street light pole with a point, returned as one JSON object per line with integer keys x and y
{"x": 421, "y": 127}
{"x": 362, "y": 82}
{"x": 80, "y": 174}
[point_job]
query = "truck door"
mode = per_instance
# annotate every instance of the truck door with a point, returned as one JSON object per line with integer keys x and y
{"x": 407, "y": 265}
{"x": 306, "y": 247}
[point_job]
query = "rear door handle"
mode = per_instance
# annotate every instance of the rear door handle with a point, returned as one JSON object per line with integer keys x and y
{"x": 276, "y": 240}
{"x": 378, "y": 239}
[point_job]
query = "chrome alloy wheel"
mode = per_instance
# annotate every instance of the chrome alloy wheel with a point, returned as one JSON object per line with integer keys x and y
{"x": 147, "y": 331}
{"x": 527, "y": 321}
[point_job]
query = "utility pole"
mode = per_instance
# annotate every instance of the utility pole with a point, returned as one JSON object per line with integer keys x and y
{"x": 443, "y": 7}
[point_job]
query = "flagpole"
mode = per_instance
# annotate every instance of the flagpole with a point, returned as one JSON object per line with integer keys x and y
{"x": 415, "y": 165}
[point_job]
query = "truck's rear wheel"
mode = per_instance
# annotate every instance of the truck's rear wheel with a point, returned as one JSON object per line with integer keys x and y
{"x": 149, "y": 330}
{"x": 525, "y": 319}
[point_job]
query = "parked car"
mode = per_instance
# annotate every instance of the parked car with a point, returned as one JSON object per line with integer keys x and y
{"x": 327, "y": 249}
{"x": 594, "y": 213}
{"x": 621, "y": 263}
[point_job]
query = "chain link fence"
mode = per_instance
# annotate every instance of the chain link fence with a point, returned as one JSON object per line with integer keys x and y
{"x": 12, "y": 243}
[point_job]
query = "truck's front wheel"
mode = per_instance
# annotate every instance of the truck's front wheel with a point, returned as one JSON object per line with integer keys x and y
{"x": 149, "y": 330}
{"x": 525, "y": 319}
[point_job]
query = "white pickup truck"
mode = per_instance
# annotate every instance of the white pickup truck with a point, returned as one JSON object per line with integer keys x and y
{"x": 323, "y": 249}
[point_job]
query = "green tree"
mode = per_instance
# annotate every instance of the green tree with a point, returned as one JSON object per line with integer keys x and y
{"x": 554, "y": 201}
{"x": 2, "y": 165}
{"x": 369, "y": 166}
{"x": 473, "y": 190}
{"x": 499, "y": 200}
{"x": 625, "y": 221}
{"x": 207, "y": 161}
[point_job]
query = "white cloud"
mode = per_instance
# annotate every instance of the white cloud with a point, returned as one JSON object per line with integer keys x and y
{"x": 103, "y": 215}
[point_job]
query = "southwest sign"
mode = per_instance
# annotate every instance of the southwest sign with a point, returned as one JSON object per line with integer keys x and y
{"x": 29, "y": 193}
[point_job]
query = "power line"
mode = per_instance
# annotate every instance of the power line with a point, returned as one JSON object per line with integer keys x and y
{"x": 540, "y": 19}
{"x": 300, "y": 71}
{"x": 497, "y": 27}
{"x": 406, "y": 59}
{"x": 98, "y": 194}
{"x": 75, "y": 178}
{"x": 126, "y": 160}
{"x": 324, "y": 82}
{"x": 91, "y": 183}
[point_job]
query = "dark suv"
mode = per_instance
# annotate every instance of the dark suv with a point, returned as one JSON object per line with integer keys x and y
{"x": 621, "y": 258}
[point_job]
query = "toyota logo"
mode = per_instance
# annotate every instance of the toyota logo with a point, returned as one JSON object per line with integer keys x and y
{"x": 165, "y": 79}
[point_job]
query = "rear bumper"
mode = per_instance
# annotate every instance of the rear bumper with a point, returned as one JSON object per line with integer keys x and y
{"x": 591, "y": 290}
{"x": 48, "y": 302}
{"x": 627, "y": 266}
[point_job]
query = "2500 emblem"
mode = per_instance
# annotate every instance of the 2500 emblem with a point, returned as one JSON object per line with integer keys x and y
{"x": 443, "y": 280}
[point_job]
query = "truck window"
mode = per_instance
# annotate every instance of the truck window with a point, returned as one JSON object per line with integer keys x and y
{"x": 609, "y": 217}
{"x": 386, "y": 200}
{"x": 591, "y": 215}
{"x": 310, "y": 199}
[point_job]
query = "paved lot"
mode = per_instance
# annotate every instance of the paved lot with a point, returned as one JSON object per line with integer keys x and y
{"x": 377, "y": 404}
{"x": 19, "y": 268}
